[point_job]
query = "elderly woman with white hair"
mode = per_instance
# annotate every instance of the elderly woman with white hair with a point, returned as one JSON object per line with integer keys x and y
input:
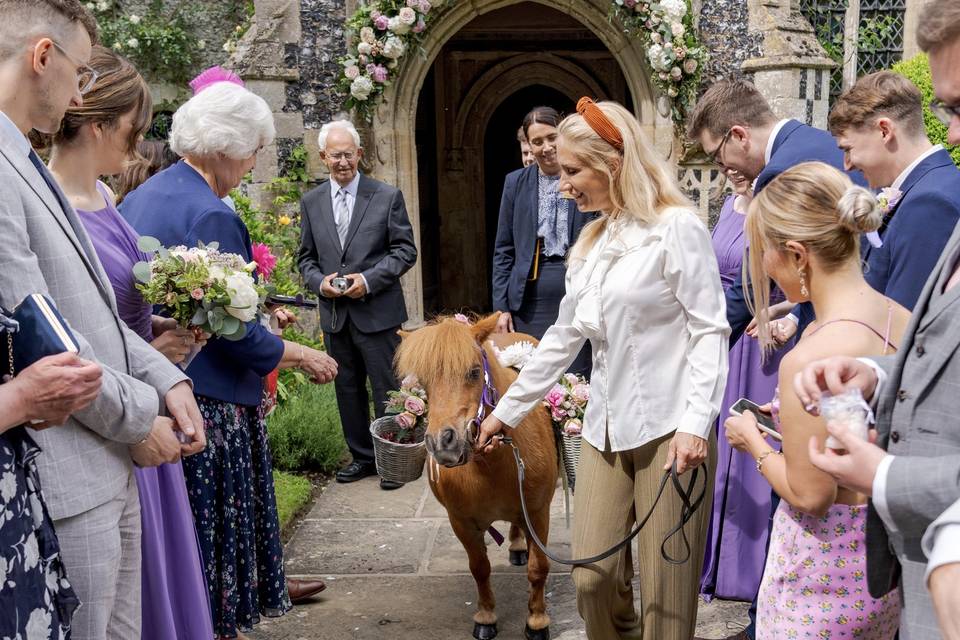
{"x": 218, "y": 133}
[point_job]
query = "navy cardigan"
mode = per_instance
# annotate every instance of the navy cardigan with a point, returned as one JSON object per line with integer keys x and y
{"x": 178, "y": 207}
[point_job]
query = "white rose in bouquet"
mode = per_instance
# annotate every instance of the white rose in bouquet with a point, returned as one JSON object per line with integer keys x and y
{"x": 361, "y": 87}
{"x": 393, "y": 48}
{"x": 243, "y": 297}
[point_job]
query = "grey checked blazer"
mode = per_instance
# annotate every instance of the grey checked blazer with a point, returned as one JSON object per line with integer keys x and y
{"x": 918, "y": 421}
{"x": 44, "y": 249}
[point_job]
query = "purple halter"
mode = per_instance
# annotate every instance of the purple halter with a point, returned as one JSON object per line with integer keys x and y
{"x": 488, "y": 397}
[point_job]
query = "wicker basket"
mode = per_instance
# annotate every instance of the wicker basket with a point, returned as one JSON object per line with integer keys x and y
{"x": 398, "y": 462}
{"x": 571, "y": 457}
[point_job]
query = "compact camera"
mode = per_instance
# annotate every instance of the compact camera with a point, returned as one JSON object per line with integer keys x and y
{"x": 340, "y": 283}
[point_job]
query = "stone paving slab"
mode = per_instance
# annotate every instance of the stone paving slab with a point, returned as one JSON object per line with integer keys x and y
{"x": 395, "y": 570}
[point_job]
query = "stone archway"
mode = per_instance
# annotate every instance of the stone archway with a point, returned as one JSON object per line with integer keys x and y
{"x": 393, "y": 139}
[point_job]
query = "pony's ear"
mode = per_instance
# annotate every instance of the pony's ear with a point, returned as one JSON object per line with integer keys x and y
{"x": 485, "y": 327}
{"x": 403, "y": 334}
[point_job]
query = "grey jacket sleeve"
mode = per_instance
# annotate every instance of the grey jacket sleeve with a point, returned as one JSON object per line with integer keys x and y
{"x": 126, "y": 408}
{"x": 919, "y": 489}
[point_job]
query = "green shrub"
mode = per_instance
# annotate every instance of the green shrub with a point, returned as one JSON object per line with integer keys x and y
{"x": 293, "y": 494}
{"x": 305, "y": 432}
{"x": 917, "y": 69}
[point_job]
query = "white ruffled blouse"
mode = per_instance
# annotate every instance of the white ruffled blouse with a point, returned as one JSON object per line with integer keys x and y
{"x": 649, "y": 299}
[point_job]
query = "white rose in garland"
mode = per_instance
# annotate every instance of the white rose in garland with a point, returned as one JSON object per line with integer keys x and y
{"x": 364, "y": 48}
{"x": 407, "y": 16}
{"x": 394, "y": 48}
{"x": 398, "y": 26}
{"x": 361, "y": 87}
{"x": 675, "y": 9}
{"x": 367, "y": 35}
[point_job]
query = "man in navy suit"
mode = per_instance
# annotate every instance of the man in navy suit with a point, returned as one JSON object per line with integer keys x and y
{"x": 356, "y": 228}
{"x": 879, "y": 127}
{"x": 739, "y": 131}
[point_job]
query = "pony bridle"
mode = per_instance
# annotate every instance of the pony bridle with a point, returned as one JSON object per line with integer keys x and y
{"x": 488, "y": 398}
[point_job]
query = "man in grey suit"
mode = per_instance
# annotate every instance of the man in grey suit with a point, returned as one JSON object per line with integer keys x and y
{"x": 85, "y": 468}
{"x": 912, "y": 473}
{"x": 941, "y": 544}
{"x": 356, "y": 243}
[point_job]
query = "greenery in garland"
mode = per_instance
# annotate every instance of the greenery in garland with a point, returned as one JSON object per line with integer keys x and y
{"x": 161, "y": 43}
{"x": 673, "y": 50}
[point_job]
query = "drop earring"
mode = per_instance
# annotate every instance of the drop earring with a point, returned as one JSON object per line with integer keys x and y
{"x": 803, "y": 283}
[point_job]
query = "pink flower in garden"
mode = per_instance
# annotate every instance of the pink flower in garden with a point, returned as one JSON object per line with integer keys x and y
{"x": 381, "y": 22}
{"x": 414, "y": 405}
{"x": 379, "y": 73}
{"x": 405, "y": 420}
{"x": 264, "y": 258}
{"x": 197, "y": 294}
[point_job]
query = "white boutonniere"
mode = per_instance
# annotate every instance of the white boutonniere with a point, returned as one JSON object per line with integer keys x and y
{"x": 887, "y": 199}
{"x": 515, "y": 355}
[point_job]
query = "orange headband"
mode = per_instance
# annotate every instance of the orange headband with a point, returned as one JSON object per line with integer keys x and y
{"x": 599, "y": 122}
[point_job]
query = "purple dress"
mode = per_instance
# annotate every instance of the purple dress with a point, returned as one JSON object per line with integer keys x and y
{"x": 735, "y": 551}
{"x": 174, "y": 592}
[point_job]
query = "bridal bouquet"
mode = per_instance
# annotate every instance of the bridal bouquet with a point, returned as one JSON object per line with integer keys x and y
{"x": 567, "y": 402}
{"x": 200, "y": 288}
{"x": 409, "y": 408}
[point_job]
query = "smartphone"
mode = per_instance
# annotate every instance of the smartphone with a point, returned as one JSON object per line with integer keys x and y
{"x": 294, "y": 301}
{"x": 764, "y": 420}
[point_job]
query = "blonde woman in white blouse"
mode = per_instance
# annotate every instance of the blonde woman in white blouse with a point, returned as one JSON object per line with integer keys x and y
{"x": 643, "y": 287}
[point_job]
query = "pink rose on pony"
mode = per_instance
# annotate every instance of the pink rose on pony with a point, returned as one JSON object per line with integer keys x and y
{"x": 414, "y": 405}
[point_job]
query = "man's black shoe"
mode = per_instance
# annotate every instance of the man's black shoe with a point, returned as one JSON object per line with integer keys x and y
{"x": 389, "y": 485}
{"x": 356, "y": 471}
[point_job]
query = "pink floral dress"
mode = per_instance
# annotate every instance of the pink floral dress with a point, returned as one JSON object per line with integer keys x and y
{"x": 815, "y": 582}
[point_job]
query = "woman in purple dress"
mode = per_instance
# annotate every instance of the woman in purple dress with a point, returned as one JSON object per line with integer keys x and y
{"x": 736, "y": 546}
{"x": 97, "y": 139}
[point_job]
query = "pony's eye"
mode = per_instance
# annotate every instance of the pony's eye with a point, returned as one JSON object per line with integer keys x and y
{"x": 474, "y": 374}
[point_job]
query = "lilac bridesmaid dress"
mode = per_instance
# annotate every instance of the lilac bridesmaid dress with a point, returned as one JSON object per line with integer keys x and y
{"x": 174, "y": 592}
{"x": 735, "y": 551}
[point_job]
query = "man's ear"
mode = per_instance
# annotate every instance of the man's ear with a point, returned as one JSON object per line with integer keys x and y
{"x": 887, "y": 128}
{"x": 40, "y": 54}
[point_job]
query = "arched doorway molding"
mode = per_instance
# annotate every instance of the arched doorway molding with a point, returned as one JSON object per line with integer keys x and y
{"x": 392, "y": 135}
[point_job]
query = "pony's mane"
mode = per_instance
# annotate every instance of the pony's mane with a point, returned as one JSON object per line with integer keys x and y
{"x": 443, "y": 349}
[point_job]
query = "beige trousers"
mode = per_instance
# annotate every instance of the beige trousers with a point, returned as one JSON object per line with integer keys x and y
{"x": 613, "y": 490}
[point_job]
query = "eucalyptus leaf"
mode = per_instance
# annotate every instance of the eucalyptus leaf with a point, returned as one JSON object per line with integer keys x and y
{"x": 148, "y": 244}
{"x": 141, "y": 271}
{"x": 199, "y": 317}
{"x": 230, "y": 325}
{"x": 238, "y": 334}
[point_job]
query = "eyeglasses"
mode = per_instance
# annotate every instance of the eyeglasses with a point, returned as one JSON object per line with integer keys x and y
{"x": 945, "y": 113}
{"x": 86, "y": 75}
{"x": 715, "y": 155}
{"x": 344, "y": 155}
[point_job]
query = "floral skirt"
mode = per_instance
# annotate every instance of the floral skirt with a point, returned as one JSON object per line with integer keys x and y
{"x": 815, "y": 582}
{"x": 36, "y": 600}
{"x": 230, "y": 484}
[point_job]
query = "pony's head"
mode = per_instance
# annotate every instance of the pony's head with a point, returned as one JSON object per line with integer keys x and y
{"x": 445, "y": 356}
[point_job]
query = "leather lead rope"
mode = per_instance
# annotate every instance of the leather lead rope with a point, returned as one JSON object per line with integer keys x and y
{"x": 689, "y": 507}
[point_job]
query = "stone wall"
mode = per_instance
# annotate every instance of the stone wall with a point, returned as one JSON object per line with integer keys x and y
{"x": 724, "y": 31}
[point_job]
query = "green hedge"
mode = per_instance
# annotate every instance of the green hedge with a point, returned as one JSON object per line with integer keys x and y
{"x": 917, "y": 69}
{"x": 305, "y": 432}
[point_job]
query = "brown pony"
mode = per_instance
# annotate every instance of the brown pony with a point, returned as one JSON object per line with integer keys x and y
{"x": 477, "y": 489}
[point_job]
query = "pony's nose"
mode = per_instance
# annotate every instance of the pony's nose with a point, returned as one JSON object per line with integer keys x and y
{"x": 448, "y": 439}
{"x": 449, "y": 448}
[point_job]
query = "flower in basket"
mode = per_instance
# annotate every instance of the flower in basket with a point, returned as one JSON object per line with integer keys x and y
{"x": 200, "y": 287}
{"x": 567, "y": 402}
{"x": 408, "y": 405}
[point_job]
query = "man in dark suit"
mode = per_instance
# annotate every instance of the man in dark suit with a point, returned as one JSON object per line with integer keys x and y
{"x": 355, "y": 244}
{"x": 879, "y": 127}
{"x": 739, "y": 131}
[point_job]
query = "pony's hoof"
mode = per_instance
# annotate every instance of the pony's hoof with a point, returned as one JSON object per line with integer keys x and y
{"x": 484, "y": 631}
{"x": 518, "y": 558}
{"x": 536, "y": 634}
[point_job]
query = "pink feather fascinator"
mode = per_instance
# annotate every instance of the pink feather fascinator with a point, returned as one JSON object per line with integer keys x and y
{"x": 214, "y": 75}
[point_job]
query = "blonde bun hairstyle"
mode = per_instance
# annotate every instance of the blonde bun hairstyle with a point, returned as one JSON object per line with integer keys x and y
{"x": 815, "y": 205}
{"x": 859, "y": 210}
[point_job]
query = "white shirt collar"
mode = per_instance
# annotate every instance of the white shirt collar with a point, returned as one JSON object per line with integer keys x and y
{"x": 913, "y": 165}
{"x": 773, "y": 138}
{"x": 16, "y": 136}
{"x": 351, "y": 187}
